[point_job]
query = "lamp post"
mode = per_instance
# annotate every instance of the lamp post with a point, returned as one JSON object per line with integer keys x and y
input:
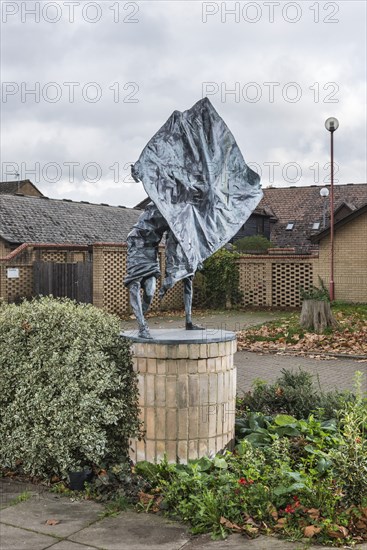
{"x": 331, "y": 124}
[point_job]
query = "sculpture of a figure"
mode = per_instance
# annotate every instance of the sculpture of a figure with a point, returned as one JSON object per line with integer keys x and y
{"x": 202, "y": 193}
{"x": 143, "y": 266}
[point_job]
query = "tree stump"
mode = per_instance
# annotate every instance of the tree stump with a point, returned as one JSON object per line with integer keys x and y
{"x": 316, "y": 315}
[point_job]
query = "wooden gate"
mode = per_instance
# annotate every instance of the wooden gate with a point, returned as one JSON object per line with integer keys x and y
{"x": 64, "y": 280}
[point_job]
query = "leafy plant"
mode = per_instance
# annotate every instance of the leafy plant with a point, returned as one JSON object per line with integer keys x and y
{"x": 68, "y": 391}
{"x": 315, "y": 293}
{"x": 257, "y": 243}
{"x": 293, "y": 393}
{"x": 217, "y": 285}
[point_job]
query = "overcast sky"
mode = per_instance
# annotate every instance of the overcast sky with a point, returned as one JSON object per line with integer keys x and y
{"x": 87, "y": 84}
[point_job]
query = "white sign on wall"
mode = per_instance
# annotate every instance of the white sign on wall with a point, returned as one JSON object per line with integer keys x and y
{"x": 12, "y": 273}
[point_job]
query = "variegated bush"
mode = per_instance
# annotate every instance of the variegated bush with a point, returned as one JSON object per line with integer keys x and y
{"x": 68, "y": 393}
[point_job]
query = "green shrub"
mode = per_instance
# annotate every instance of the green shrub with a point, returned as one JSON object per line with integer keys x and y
{"x": 315, "y": 293}
{"x": 350, "y": 459}
{"x": 68, "y": 394}
{"x": 293, "y": 393}
{"x": 258, "y": 243}
{"x": 217, "y": 285}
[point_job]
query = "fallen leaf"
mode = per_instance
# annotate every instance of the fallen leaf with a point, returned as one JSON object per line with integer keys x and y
{"x": 281, "y": 523}
{"x": 311, "y": 530}
{"x": 339, "y": 532}
{"x": 314, "y": 513}
{"x": 144, "y": 498}
{"x": 229, "y": 524}
{"x": 157, "y": 504}
{"x": 52, "y": 522}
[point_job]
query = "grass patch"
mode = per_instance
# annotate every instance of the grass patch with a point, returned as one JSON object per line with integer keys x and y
{"x": 23, "y": 497}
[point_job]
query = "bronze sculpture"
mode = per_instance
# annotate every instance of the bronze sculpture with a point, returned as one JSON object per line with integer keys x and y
{"x": 202, "y": 192}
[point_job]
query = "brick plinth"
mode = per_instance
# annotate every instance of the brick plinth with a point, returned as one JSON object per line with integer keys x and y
{"x": 187, "y": 397}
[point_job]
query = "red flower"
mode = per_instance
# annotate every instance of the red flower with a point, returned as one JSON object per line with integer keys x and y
{"x": 295, "y": 498}
{"x": 244, "y": 481}
{"x": 289, "y": 509}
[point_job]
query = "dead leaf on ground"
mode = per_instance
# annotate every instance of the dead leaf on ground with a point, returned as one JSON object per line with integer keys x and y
{"x": 52, "y": 522}
{"x": 338, "y": 532}
{"x": 144, "y": 498}
{"x": 311, "y": 531}
{"x": 314, "y": 513}
{"x": 229, "y": 525}
{"x": 281, "y": 523}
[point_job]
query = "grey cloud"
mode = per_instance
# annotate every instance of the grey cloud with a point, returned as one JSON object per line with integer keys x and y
{"x": 169, "y": 54}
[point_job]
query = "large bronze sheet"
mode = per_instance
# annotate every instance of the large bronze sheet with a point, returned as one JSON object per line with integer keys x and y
{"x": 194, "y": 172}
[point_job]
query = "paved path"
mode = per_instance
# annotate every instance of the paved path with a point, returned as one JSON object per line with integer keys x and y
{"x": 221, "y": 320}
{"x": 331, "y": 373}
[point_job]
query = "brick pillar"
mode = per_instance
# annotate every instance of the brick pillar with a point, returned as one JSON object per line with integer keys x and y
{"x": 98, "y": 277}
{"x": 187, "y": 395}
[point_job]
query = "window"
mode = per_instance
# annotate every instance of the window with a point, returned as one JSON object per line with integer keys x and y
{"x": 260, "y": 226}
{"x": 290, "y": 226}
{"x": 315, "y": 226}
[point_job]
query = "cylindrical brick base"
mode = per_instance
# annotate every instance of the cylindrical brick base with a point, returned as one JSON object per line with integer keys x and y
{"x": 187, "y": 395}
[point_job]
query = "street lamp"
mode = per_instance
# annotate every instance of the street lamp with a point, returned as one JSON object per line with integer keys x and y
{"x": 324, "y": 193}
{"x": 331, "y": 124}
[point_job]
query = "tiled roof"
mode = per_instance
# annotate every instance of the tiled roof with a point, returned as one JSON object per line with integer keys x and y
{"x": 304, "y": 206}
{"x": 12, "y": 187}
{"x": 43, "y": 220}
{"x": 352, "y": 216}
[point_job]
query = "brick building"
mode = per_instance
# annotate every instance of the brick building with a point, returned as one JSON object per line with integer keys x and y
{"x": 296, "y": 214}
{"x": 350, "y": 256}
{"x": 291, "y": 216}
{"x": 78, "y": 249}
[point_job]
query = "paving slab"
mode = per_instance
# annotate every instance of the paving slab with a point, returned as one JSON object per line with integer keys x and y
{"x": 332, "y": 373}
{"x": 68, "y": 545}
{"x": 14, "y": 538}
{"x": 33, "y": 514}
{"x": 133, "y": 531}
{"x": 10, "y": 490}
{"x": 217, "y": 320}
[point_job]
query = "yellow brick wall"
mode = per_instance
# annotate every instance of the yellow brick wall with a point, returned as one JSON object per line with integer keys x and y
{"x": 350, "y": 261}
{"x": 271, "y": 281}
{"x": 22, "y": 287}
{"x": 109, "y": 291}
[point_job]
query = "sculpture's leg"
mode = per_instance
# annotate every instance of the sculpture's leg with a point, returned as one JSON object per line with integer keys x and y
{"x": 148, "y": 294}
{"x": 135, "y": 301}
{"x": 188, "y": 304}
